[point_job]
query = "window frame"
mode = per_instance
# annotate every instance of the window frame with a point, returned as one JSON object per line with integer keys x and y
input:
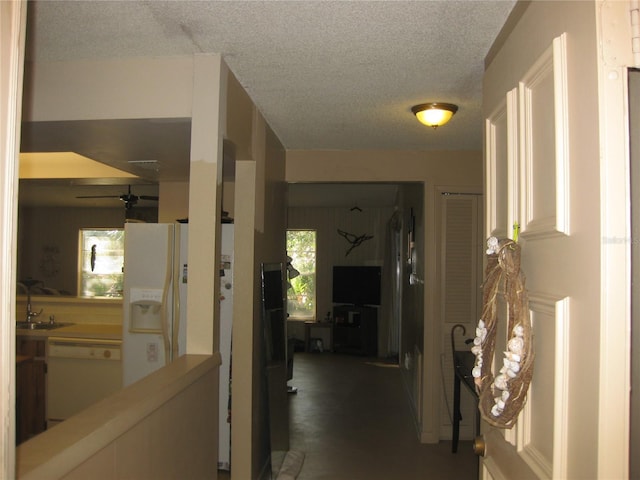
{"x": 117, "y": 277}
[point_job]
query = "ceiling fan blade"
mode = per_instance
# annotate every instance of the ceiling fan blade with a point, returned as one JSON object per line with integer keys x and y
{"x": 98, "y": 196}
{"x": 128, "y": 198}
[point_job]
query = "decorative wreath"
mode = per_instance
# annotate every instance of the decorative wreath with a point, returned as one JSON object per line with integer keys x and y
{"x": 501, "y": 398}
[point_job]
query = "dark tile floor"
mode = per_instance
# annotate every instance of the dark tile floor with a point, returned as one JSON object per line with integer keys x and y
{"x": 352, "y": 419}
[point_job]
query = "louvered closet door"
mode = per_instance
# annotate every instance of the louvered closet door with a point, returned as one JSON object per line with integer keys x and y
{"x": 461, "y": 266}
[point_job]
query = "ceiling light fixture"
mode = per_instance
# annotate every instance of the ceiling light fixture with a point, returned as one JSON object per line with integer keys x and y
{"x": 434, "y": 114}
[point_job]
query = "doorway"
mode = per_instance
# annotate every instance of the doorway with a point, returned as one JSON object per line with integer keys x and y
{"x": 351, "y": 221}
{"x": 319, "y": 207}
{"x": 396, "y": 240}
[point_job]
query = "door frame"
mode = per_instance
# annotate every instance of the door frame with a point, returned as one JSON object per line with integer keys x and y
{"x": 12, "y": 45}
{"x": 634, "y": 150}
{"x": 615, "y": 340}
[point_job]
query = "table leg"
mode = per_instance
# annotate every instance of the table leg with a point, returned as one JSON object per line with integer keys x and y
{"x": 307, "y": 329}
{"x": 331, "y": 338}
{"x": 456, "y": 413}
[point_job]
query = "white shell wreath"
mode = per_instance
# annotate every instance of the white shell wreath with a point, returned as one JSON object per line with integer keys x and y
{"x": 501, "y": 398}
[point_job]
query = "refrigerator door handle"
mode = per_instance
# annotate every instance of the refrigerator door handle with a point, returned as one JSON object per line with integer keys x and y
{"x": 165, "y": 294}
{"x": 176, "y": 294}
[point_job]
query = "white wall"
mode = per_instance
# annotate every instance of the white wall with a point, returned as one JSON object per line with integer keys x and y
{"x": 107, "y": 89}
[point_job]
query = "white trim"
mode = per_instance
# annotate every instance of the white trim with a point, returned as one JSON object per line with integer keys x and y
{"x": 561, "y": 107}
{"x": 513, "y": 166}
{"x": 12, "y": 42}
{"x": 615, "y": 264}
{"x": 635, "y": 31}
{"x": 561, "y": 390}
{"x": 12, "y": 45}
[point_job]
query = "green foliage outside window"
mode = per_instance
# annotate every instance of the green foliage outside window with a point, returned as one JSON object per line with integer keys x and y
{"x": 301, "y": 296}
{"x": 101, "y": 262}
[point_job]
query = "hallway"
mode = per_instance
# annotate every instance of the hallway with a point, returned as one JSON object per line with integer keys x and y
{"x": 352, "y": 420}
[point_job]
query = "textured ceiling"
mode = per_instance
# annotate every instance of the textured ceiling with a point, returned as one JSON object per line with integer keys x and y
{"x": 325, "y": 74}
{"x": 336, "y": 75}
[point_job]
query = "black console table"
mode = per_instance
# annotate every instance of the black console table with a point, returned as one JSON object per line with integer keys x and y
{"x": 355, "y": 330}
{"x": 463, "y": 363}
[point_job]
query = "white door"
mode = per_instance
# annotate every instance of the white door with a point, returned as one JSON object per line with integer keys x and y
{"x": 551, "y": 167}
{"x": 226, "y": 322}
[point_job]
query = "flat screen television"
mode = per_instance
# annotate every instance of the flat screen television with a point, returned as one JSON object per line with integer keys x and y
{"x": 356, "y": 285}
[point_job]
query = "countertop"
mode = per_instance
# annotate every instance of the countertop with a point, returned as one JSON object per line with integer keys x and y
{"x": 79, "y": 330}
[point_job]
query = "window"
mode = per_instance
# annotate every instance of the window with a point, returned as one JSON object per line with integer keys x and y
{"x": 101, "y": 262}
{"x": 301, "y": 295}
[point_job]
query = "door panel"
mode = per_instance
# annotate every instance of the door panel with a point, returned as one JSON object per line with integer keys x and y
{"x": 497, "y": 140}
{"x": 503, "y": 461}
{"x": 543, "y": 139}
{"x": 541, "y": 431}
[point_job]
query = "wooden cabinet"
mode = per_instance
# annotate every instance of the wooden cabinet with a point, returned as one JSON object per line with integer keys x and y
{"x": 355, "y": 330}
{"x": 30, "y": 387}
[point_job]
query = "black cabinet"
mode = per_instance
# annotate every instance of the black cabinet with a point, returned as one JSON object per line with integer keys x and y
{"x": 355, "y": 330}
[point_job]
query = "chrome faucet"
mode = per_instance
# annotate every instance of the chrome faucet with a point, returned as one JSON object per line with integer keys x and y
{"x": 30, "y": 313}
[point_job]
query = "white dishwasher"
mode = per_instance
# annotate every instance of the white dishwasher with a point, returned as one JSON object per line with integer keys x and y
{"x": 80, "y": 372}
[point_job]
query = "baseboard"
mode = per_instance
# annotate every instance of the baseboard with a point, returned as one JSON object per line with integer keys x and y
{"x": 467, "y": 432}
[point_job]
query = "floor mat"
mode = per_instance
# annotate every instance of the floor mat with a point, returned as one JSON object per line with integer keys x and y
{"x": 383, "y": 364}
{"x": 291, "y": 465}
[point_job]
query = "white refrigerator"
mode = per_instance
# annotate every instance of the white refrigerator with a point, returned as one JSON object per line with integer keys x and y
{"x": 155, "y": 302}
{"x": 226, "y": 316}
{"x": 154, "y": 297}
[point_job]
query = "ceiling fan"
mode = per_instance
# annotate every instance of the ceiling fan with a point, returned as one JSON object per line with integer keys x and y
{"x": 128, "y": 198}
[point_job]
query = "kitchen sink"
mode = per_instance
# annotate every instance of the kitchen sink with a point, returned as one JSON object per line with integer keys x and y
{"x": 40, "y": 325}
